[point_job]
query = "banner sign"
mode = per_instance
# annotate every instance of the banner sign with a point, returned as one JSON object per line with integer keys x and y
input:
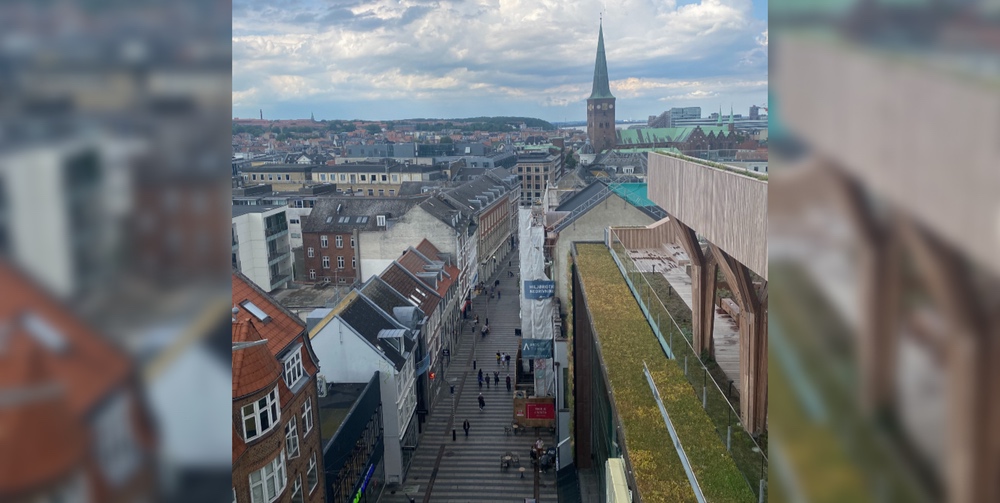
{"x": 540, "y": 410}
{"x": 539, "y": 289}
{"x": 535, "y": 349}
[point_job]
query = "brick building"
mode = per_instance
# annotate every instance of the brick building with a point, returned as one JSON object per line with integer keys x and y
{"x": 277, "y": 448}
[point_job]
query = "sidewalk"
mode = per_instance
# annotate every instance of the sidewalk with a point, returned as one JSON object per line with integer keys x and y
{"x": 468, "y": 469}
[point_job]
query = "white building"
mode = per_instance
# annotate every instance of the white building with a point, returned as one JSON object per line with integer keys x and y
{"x": 356, "y": 339}
{"x": 261, "y": 245}
{"x": 63, "y": 205}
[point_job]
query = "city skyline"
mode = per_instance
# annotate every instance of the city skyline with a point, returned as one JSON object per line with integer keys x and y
{"x": 386, "y": 60}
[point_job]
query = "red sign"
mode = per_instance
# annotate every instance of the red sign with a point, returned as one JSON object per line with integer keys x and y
{"x": 540, "y": 410}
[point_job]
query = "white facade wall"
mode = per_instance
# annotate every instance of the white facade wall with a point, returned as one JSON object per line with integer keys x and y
{"x": 379, "y": 248}
{"x": 252, "y": 252}
{"x": 345, "y": 357}
{"x": 295, "y": 230}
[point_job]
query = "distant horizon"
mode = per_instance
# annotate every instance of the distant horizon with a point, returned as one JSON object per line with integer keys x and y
{"x": 375, "y": 60}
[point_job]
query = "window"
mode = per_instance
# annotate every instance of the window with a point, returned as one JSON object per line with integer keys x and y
{"x": 322, "y": 176}
{"x": 392, "y": 192}
{"x": 307, "y": 416}
{"x": 270, "y": 177}
{"x": 381, "y": 192}
{"x": 287, "y": 177}
{"x": 326, "y": 262}
{"x": 324, "y": 241}
{"x": 312, "y": 477}
{"x": 339, "y": 240}
{"x": 268, "y": 482}
{"x": 343, "y": 177}
{"x": 292, "y": 439}
{"x": 380, "y": 220}
{"x": 352, "y": 241}
{"x": 310, "y": 252}
{"x": 293, "y": 367}
{"x": 340, "y": 261}
{"x": 260, "y": 416}
{"x": 117, "y": 452}
{"x": 384, "y": 178}
{"x": 297, "y": 491}
{"x": 312, "y": 273}
{"x": 371, "y": 192}
{"x": 354, "y": 262}
{"x": 253, "y": 176}
{"x": 395, "y": 177}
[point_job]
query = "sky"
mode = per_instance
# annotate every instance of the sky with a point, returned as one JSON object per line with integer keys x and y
{"x": 399, "y": 59}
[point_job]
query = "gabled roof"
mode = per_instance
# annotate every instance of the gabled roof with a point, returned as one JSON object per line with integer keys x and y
{"x": 434, "y": 272}
{"x": 386, "y": 297}
{"x": 412, "y": 288}
{"x": 355, "y": 212}
{"x": 594, "y": 193}
{"x": 282, "y": 328}
{"x": 254, "y": 367}
{"x": 365, "y": 318}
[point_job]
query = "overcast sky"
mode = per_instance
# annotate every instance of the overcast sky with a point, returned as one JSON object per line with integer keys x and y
{"x": 396, "y": 59}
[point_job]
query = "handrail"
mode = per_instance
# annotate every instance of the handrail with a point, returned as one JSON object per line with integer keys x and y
{"x": 673, "y": 435}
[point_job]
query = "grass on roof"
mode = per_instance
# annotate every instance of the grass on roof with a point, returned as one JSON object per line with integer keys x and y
{"x": 627, "y": 341}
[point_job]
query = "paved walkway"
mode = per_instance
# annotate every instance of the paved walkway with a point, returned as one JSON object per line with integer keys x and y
{"x": 468, "y": 469}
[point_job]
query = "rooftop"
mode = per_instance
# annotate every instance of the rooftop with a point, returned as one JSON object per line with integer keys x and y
{"x": 334, "y": 407}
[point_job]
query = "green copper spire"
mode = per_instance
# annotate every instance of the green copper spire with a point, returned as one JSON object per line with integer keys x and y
{"x": 601, "y": 87}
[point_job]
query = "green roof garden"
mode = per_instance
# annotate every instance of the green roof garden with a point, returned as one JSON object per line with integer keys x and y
{"x": 626, "y": 341}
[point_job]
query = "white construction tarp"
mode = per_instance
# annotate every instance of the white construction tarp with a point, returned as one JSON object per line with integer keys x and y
{"x": 536, "y": 313}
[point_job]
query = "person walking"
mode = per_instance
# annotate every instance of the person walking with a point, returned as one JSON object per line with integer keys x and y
{"x": 498, "y": 359}
{"x": 480, "y": 374}
{"x": 508, "y": 383}
{"x": 487, "y": 382}
{"x": 482, "y": 402}
{"x": 473, "y": 364}
{"x": 466, "y": 426}
{"x": 477, "y": 320}
{"x": 480, "y": 382}
{"x": 496, "y": 379}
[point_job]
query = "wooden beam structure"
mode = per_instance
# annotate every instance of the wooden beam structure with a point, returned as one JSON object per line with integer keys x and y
{"x": 753, "y": 340}
{"x": 703, "y": 272}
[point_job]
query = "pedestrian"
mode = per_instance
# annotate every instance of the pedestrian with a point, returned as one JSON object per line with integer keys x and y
{"x": 480, "y": 374}
{"x": 480, "y": 382}
{"x": 508, "y": 383}
{"x": 473, "y": 364}
{"x": 498, "y": 358}
{"x": 466, "y": 426}
{"x": 482, "y": 402}
{"x": 496, "y": 379}
{"x": 487, "y": 322}
{"x": 510, "y": 263}
{"x": 487, "y": 382}
{"x": 507, "y": 357}
{"x": 498, "y": 294}
{"x": 477, "y": 320}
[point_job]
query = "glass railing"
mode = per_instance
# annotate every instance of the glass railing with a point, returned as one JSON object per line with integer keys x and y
{"x": 747, "y": 453}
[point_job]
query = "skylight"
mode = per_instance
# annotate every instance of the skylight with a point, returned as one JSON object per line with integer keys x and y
{"x": 45, "y": 333}
{"x": 256, "y": 311}
{"x": 329, "y": 219}
{"x": 343, "y": 220}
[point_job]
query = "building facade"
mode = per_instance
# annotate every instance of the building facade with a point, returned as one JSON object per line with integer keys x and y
{"x": 261, "y": 245}
{"x": 277, "y": 447}
{"x": 536, "y": 171}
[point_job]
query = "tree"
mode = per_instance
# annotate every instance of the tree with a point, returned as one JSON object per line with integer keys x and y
{"x": 446, "y": 139}
{"x": 373, "y": 129}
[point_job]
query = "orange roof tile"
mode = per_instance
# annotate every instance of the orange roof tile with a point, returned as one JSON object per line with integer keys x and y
{"x": 282, "y": 330}
{"x": 90, "y": 366}
{"x": 41, "y": 440}
{"x": 254, "y": 367}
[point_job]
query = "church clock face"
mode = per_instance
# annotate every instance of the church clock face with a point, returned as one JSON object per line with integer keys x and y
{"x": 612, "y": 106}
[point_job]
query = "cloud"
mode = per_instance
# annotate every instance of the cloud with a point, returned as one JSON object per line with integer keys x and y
{"x": 537, "y": 54}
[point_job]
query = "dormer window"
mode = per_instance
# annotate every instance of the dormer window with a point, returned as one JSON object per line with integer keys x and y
{"x": 380, "y": 220}
{"x": 293, "y": 367}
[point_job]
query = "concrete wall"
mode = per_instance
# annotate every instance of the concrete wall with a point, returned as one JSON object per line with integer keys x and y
{"x": 379, "y": 248}
{"x": 728, "y": 209}
{"x": 613, "y": 211}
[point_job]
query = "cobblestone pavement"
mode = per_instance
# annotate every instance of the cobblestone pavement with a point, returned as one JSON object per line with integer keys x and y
{"x": 468, "y": 469}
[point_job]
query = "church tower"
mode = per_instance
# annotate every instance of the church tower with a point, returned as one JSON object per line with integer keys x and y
{"x": 601, "y": 104}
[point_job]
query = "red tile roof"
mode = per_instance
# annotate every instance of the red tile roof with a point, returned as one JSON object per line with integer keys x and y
{"x": 282, "y": 330}
{"x": 41, "y": 440}
{"x": 91, "y": 365}
{"x": 254, "y": 367}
